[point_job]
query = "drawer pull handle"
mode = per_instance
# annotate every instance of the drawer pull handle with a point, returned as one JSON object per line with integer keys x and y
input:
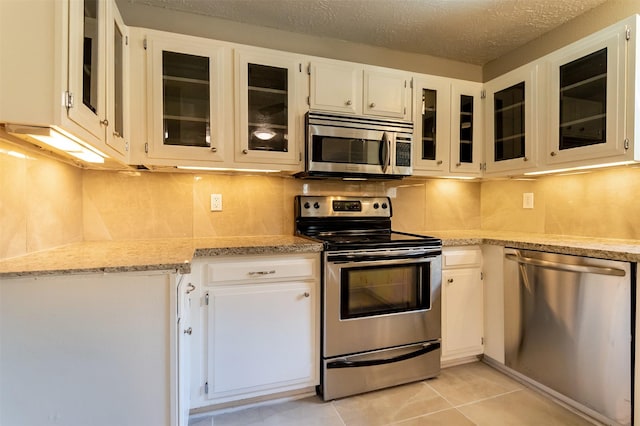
{"x": 263, "y": 272}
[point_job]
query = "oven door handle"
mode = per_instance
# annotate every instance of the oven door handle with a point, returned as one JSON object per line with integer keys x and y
{"x": 426, "y": 348}
{"x": 347, "y": 258}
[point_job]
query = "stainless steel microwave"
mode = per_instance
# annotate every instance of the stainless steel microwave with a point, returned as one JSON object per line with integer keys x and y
{"x": 355, "y": 146}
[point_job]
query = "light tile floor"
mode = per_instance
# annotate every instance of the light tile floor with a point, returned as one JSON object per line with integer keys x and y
{"x": 470, "y": 394}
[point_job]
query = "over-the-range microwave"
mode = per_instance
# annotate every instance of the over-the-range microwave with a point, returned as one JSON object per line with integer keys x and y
{"x": 340, "y": 145}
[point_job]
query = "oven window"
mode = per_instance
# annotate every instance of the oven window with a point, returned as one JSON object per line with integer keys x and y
{"x": 379, "y": 290}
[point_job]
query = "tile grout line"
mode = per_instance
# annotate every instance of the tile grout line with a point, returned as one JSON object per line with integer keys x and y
{"x": 449, "y": 402}
{"x": 488, "y": 398}
{"x": 338, "y": 413}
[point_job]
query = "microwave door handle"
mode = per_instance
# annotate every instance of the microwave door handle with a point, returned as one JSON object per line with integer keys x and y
{"x": 385, "y": 152}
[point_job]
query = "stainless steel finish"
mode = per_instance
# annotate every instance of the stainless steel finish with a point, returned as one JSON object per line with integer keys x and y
{"x": 568, "y": 328}
{"x": 569, "y": 267}
{"x": 325, "y": 207}
{"x": 340, "y": 382}
{"x": 380, "y": 331}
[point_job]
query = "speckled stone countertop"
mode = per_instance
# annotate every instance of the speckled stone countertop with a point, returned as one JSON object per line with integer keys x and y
{"x": 604, "y": 248}
{"x": 146, "y": 255}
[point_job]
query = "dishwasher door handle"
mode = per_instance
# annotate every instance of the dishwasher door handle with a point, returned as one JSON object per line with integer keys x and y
{"x": 590, "y": 269}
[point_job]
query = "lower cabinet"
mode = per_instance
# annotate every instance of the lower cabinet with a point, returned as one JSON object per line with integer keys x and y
{"x": 260, "y": 327}
{"x": 462, "y": 303}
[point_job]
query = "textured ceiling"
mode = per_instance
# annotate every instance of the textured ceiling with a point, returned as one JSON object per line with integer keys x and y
{"x": 473, "y": 31}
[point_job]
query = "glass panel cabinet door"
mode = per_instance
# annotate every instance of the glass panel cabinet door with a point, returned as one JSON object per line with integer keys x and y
{"x": 87, "y": 56}
{"x": 432, "y": 112}
{"x": 511, "y": 121}
{"x": 466, "y": 133}
{"x": 266, "y": 117}
{"x": 185, "y": 86}
{"x": 587, "y": 99}
{"x": 117, "y": 131}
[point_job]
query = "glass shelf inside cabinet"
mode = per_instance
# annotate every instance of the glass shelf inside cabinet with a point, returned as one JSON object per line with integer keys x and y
{"x": 509, "y": 140}
{"x": 466, "y": 129}
{"x": 268, "y": 108}
{"x": 583, "y": 101}
{"x": 429, "y": 113}
{"x": 186, "y": 108}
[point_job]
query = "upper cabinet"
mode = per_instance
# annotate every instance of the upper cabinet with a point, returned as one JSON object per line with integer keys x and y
{"x": 185, "y": 82}
{"x": 357, "y": 89}
{"x": 268, "y": 94}
{"x": 431, "y": 120}
{"x": 466, "y": 128}
{"x": 511, "y": 121}
{"x": 587, "y": 91}
{"x": 68, "y": 94}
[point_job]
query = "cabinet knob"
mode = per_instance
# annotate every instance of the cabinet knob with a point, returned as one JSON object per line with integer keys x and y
{"x": 553, "y": 153}
{"x": 458, "y": 164}
{"x": 306, "y": 294}
{"x": 214, "y": 149}
{"x": 525, "y": 159}
{"x": 190, "y": 288}
{"x": 105, "y": 122}
{"x": 372, "y": 105}
{"x": 439, "y": 162}
{"x": 245, "y": 151}
{"x": 188, "y": 331}
{"x": 450, "y": 280}
{"x": 348, "y": 103}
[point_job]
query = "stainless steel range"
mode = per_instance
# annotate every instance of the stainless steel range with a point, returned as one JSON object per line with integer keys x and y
{"x": 380, "y": 296}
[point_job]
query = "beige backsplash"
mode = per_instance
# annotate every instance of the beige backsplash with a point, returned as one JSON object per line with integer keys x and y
{"x": 44, "y": 203}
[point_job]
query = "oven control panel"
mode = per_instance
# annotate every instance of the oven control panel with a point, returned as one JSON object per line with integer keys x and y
{"x": 342, "y": 206}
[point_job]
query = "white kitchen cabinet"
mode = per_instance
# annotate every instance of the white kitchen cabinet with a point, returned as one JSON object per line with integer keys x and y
{"x": 269, "y": 95}
{"x": 259, "y": 320}
{"x": 511, "y": 122}
{"x": 346, "y": 87}
{"x": 76, "y": 91}
{"x": 466, "y": 128}
{"x": 462, "y": 303}
{"x": 587, "y": 92}
{"x": 432, "y": 121}
{"x": 90, "y": 349}
{"x": 186, "y": 82}
{"x": 493, "y": 267}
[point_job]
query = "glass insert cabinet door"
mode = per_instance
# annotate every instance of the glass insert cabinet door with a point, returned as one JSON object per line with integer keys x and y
{"x": 266, "y": 100}
{"x": 185, "y": 79}
{"x": 466, "y": 127}
{"x": 431, "y": 117}
{"x": 509, "y": 123}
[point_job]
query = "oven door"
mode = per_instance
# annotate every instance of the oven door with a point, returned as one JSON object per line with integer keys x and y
{"x": 380, "y": 299}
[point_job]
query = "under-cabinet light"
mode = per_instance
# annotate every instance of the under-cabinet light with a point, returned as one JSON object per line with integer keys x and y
{"x": 458, "y": 177}
{"x": 571, "y": 169}
{"x": 225, "y": 169}
{"x": 60, "y": 142}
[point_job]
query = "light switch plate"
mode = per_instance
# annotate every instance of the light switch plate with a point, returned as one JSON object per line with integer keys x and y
{"x": 527, "y": 200}
{"x": 216, "y": 202}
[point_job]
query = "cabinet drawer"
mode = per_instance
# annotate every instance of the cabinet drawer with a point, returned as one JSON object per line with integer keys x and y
{"x": 461, "y": 257}
{"x": 253, "y": 270}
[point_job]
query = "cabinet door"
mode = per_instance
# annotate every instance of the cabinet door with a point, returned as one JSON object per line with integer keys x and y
{"x": 185, "y": 333}
{"x": 462, "y": 298}
{"x": 386, "y": 93}
{"x": 511, "y": 121}
{"x": 432, "y": 114}
{"x": 117, "y": 131}
{"x": 335, "y": 87}
{"x": 587, "y": 99}
{"x": 261, "y": 336}
{"x": 185, "y": 85}
{"x": 267, "y": 117}
{"x": 466, "y": 128}
{"x": 87, "y": 58}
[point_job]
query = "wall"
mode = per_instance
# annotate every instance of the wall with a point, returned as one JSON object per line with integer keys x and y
{"x": 202, "y": 26}
{"x": 593, "y": 20}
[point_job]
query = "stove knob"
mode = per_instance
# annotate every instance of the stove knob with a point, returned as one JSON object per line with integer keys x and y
{"x": 307, "y": 205}
{"x": 316, "y": 205}
{"x": 384, "y": 205}
{"x": 376, "y": 205}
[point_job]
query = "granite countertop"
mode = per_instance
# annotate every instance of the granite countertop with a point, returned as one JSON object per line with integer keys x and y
{"x": 146, "y": 255}
{"x": 177, "y": 253}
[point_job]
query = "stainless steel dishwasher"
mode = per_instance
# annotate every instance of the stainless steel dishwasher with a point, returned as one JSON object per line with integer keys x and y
{"x": 568, "y": 329}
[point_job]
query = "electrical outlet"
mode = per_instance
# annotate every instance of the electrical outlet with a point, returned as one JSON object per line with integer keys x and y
{"x": 216, "y": 202}
{"x": 527, "y": 200}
